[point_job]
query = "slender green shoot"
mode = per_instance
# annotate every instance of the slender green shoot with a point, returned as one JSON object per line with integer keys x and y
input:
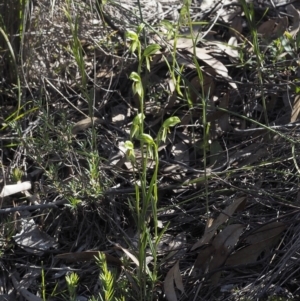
{"x": 15, "y": 67}
{"x": 250, "y": 16}
{"x": 146, "y": 195}
{"x": 107, "y": 279}
{"x": 72, "y": 281}
{"x": 78, "y": 53}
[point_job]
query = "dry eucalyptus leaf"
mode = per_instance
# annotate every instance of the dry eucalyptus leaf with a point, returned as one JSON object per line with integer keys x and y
{"x": 296, "y": 109}
{"x": 215, "y": 152}
{"x": 237, "y": 27}
{"x": 169, "y": 287}
{"x": 204, "y": 55}
{"x": 29, "y": 278}
{"x": 227, "y": 13}
{"x": 266, "y": 28}
{"x": 182, "y": 43}
{"x": 222, "y": 124}
{"x": 224, "y": 243}
{"x": 195, "y": 33}
{"x": 32, "y": 239}
{"x": 228, "y": 48}
{"x": 281, "y": 2}
{"x": 208, "y": 85}
{"x": 129, "y": 254}
{"x": 171, "y": 85}
{"x": 164, "y": 244}
{"x": 281, "y": 27}
{"x": 296, "y": 19}
{"x": 206, "y": 4}
{"x": 273, "y": 28}
{"x": 261, "y": 240}
{"x": 85, "y": 123}
{"x": 178, "y": 278}
{"x": 23, "y": 291}
{"x": 254, "y": 157}
{"x": 247, "y": 255}
{"x": 89, "y": 256}
{"x": 219, "y": 68}
{"x": 272, "y": 101}
{"x": 213, "y": 225}
{"x": 173, "y": 275}
{"x": 203, "y": 260}
{"x": 181, "y": 152}
{"x": 195, "y": 89}
{"x": 240, "y": 157}
{"x": 231, "y": 50}
{"x": 177, "y": 246}
{"x": 265, "y": 232}
{"x": 182, "y": 61}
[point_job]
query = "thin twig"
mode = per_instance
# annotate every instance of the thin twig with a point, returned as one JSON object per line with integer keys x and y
{"x": 33, "y": 207}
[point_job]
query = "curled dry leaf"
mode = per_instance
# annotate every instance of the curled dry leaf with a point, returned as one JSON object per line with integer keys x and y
{"x": 213, "y": 225}
{"x": 169, "y": 288}
{"x": 227, "y": 13}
